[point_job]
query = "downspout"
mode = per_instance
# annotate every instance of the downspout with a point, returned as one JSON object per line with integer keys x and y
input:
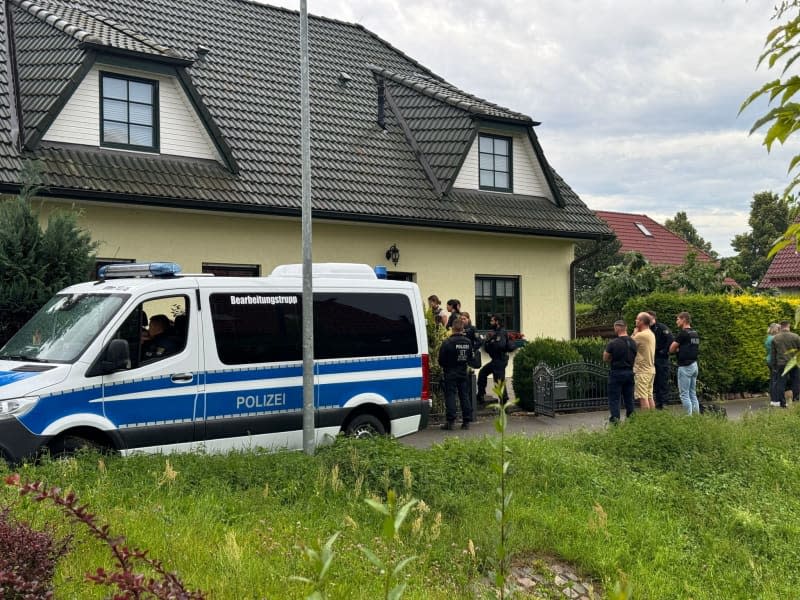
{"x": 572, "y": 266}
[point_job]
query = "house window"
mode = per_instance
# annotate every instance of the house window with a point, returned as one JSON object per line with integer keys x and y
{"x": 494, "y": 156}
{"x": 128, "y": 112}
{"x": 497, "y": 296}
{"x": 226, "y": 270}
{"x": 643, "y": 229}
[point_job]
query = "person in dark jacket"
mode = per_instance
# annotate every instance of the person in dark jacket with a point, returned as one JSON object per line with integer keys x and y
{"x": 784, "y": 345}
{"x": 471, "y": 332}
{"x": 620, "y": 353}
{"x": 454, "y": 355}
{"x": 495, "y": 346}
{"x": 664, "y": 340}
{"x": 454, "y": 308}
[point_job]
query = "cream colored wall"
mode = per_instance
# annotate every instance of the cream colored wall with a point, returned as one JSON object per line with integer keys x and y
{"x": 180, "y": 130}
{"x": 445, "y": 263}
{"x": 527, "y": 175}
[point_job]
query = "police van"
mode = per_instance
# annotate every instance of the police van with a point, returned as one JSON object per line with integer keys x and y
{"x": 147, "y": 359}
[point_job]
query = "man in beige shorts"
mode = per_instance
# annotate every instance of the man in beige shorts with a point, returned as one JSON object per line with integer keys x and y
{"x": 644, "y": 367}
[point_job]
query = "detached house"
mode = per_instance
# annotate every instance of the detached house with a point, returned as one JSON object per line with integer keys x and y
{"x": 174, "y": 127}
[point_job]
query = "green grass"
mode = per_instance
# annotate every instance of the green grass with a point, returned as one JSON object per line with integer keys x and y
{"x": 679, "y": 507}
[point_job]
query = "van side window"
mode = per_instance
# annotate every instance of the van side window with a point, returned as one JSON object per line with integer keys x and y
{"x": 351, "y": 324}
{"x": 256, "y": 328}
{"x": 156, "y": 329}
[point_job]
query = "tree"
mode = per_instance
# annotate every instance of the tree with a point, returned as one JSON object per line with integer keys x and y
{"x": 36, "y": 263}
{"x": 781, "y": 50}
{"x": 634, "y": 276}
{"x": 586, "y": 271}
{"x": 769, "y": 218}
{"x": 693, "y": 276}
{"x": 681, "y": 227}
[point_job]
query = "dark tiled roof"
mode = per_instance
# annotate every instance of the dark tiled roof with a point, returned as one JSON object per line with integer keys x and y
{"x": 10, "y": 163}
{"x": 662, "y": 248}
{"x": 444, "y": 92}
{"x": 784, "y": 270}
{"x": 91, "y": 27}
{"x": 249, "y": 84}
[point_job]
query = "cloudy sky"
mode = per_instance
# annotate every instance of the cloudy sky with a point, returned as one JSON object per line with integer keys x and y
{"x": 638, "y": 100}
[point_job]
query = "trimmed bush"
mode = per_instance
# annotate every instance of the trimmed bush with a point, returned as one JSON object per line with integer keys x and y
{"x": 553, "y": 352}
{"x": 590, "y": 348}
{"x": 732, "y": 331}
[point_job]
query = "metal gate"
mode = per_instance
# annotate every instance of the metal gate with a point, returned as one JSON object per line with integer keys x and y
{"x": 571, "y": 387}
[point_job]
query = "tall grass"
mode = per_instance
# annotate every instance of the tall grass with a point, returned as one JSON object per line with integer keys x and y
{"x": 677, "y": 507}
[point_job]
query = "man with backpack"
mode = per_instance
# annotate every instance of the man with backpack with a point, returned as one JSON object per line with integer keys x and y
{"x": 497, "y": 346}
{"x": 621, "y": 353}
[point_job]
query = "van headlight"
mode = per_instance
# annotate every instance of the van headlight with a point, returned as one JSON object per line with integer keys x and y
{"x": 16, "y": 406}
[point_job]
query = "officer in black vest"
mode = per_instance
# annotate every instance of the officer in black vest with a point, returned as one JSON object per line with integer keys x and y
{"x": 455, "y": 354}
{"x": 664, "y": 340}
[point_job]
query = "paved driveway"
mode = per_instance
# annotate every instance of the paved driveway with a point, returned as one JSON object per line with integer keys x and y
{"x": 528, "y": 424}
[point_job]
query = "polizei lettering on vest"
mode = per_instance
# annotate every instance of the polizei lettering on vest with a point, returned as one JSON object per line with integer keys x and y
{"x": 261, "y": 400}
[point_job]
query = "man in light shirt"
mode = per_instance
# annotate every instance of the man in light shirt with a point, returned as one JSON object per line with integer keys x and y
{"x": 644, "y": 367}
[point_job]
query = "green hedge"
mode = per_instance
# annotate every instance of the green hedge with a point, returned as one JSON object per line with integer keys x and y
{"x": 590, "y": 348}
{"x": 732, "y": 331}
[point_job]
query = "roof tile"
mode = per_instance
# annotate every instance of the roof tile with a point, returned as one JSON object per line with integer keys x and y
{"x": 661, "y": 248}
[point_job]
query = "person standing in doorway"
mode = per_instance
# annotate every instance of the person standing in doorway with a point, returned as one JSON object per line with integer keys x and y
{"x": 664, "y": 340}
{"x": 495, "y": 346}
{"x": 455, "y": 354}
{"x": 644, "y": 368}
{"x": 687, "y": 347}
{"x": 620, "y": 353}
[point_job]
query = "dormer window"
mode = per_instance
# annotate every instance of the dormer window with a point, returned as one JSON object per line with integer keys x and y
{"x": 128, "y": 112}
{"x": 494, "y": 154}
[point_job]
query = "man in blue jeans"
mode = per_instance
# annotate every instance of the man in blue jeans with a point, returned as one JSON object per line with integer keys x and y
{"x": 620, "y": 353}
{"x": 687, "y": 346}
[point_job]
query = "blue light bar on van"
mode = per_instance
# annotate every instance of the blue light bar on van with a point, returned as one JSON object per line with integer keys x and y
{"x": 156, "y": 269}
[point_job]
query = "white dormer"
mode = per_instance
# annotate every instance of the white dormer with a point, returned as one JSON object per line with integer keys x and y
{"x": 503, "y": 162}
{"x": 122, "y": 108}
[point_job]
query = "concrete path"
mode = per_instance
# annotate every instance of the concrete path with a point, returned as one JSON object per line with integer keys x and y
{"x": 529, "y": 424}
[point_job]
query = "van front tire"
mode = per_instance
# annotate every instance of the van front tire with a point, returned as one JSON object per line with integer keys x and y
{"x": 70, "y": 445}
{"x": 365, "y": 426}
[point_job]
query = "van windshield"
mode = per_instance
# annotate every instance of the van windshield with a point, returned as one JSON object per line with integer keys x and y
{"x": 63, "y": 328}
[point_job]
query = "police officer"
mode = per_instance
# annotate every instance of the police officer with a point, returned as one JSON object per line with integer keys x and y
{"x": 454, "y": 355}
{"x": 664, "y": 340}
{"x": 495, "y": 346}
{"x": 159, "y": 341}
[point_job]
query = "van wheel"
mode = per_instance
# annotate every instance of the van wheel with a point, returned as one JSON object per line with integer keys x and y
{"x": 365, "y": 426}
{"x": 69, "y": 445}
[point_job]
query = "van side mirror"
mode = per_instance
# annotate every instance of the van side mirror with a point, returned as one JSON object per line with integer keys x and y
{"x": 117, "y": 357}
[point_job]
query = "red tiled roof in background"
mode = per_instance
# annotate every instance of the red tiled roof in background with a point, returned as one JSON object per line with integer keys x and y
{"x": 784, "y": 270}
{"x": 661, "y": 247}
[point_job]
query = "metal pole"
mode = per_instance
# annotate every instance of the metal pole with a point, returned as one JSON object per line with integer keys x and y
{"x": 308, "y": 290}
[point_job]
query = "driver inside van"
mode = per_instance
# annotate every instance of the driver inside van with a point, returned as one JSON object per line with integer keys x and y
{"x": 158, "y": 341}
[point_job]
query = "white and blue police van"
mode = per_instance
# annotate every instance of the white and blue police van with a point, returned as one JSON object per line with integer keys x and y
{"x": 222, "y": 370}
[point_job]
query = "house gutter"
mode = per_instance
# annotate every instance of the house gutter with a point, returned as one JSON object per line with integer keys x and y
{"x": 572, "y": 266}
